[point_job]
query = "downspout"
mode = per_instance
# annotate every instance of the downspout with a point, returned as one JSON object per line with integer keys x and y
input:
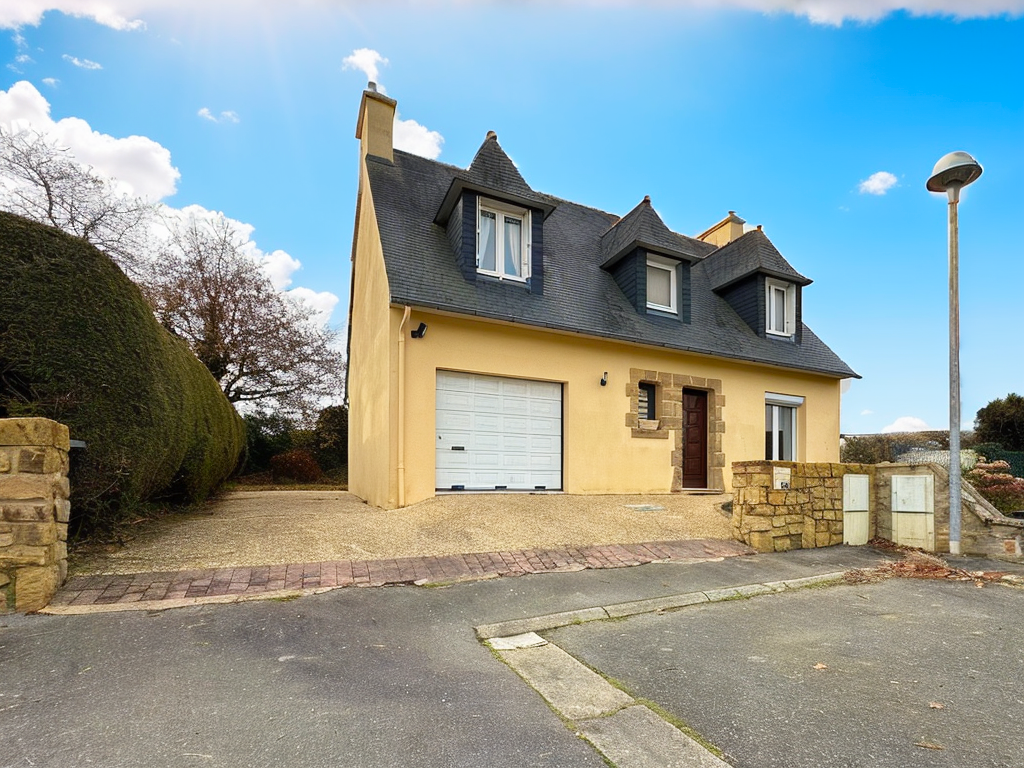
{"x": 401, "y": 406}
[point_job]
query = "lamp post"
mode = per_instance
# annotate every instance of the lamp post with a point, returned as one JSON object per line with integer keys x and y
{"x": 953, "y": 172}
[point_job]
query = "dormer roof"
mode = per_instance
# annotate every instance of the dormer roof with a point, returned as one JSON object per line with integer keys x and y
{"x": 493, "y": 174}
{"x": 749, "y": 254}
{"x": 643, "y": 227}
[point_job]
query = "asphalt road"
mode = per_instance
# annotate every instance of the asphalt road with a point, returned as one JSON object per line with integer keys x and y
{"x": 906, "y": 672}
{"x": 396, "y": 676}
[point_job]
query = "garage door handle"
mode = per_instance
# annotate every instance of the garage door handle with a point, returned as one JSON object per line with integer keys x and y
{"x": 458, "y": 448}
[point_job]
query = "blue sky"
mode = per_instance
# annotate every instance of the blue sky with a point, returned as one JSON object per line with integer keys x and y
{"x": 819, "y": 120}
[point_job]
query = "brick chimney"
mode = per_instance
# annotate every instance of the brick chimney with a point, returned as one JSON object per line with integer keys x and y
{"x": 376, "y": 124}
{"x": 725, "y": 231}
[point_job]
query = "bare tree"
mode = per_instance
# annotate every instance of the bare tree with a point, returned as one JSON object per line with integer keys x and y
{"x": 42, "y": 181}
{"x": 260, "y": 344}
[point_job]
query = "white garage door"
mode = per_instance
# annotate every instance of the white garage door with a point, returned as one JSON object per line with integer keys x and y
{"x": 498, "y": 433}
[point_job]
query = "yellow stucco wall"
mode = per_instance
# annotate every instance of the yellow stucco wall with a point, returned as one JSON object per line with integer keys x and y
{"x": 372, "y": 450}
{"x": 600, "y": 455}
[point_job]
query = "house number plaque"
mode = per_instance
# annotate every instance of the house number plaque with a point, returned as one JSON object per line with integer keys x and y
{"x": 781, "y": 477}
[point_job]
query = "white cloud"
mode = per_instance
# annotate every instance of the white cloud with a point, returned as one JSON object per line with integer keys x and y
{"x": 867, "y": 412}
{"x": 51, "y": 81}
{"x": 906, "y": 424}
{"x": 280, "y": 267}
{"x": 321, "y": 302}
{"x": 23, "y": 58}
{"x": 140, "y": 165}
{"x": 877, "y": 183}
{"x": 81, "y": 63}
{"x": 226, "y": 116}
{"x": 366, "y": 61}
{"x": 124, "y": 14}
{"x": 109, "y": 13}
{"x": 412, "y": 137}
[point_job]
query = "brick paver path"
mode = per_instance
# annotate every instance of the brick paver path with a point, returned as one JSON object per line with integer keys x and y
{"x": 258, "y": 579}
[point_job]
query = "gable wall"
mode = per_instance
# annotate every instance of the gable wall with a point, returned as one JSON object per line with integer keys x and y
{"x": 600, "y": 453}
{"x": 372, "y": 432}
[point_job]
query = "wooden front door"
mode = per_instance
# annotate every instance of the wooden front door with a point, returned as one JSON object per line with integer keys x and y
{"x": 695, "y": 438}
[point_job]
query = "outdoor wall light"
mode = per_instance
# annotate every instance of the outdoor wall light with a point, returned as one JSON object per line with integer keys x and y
{"x": 419, "y": 332}
{"x": 953, "y": 172}
{"x": 604, "y": 379}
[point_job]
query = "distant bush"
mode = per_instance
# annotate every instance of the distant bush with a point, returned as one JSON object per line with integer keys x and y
{"x": 297, "y": 465}
{"x": 875, "y": 449}
{"x": 266, "y": 435}
{"x": 80, "y": 345}
{"x": 330, "y": 438}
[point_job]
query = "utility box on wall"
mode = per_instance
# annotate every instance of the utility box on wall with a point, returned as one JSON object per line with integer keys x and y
{"x": 913, "y": 511}
{"x": 856, "y": 509}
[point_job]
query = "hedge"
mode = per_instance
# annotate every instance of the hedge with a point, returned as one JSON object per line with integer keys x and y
{"x": 80, "y": 345}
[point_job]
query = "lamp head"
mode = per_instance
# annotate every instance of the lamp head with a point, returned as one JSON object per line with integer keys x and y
{"x": 955, "y": 170}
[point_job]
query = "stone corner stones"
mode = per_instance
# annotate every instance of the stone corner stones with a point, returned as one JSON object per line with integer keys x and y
{"x": 34, "y": 512}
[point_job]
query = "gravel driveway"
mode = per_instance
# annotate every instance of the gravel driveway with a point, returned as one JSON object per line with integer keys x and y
{"x": 274, "y": 527}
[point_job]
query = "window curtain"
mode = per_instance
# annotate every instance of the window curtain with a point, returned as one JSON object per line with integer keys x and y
{"x": 486, "y": 257}
{"x": 513, "y": 247}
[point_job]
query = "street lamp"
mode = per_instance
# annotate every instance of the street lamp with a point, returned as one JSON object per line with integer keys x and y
{"x": 953, "y": 172}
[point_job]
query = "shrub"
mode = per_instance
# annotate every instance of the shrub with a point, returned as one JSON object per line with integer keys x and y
{"x": 1002, "y": 490}
{"x": 297, "y": 465}
{"x": 80, "y": 345}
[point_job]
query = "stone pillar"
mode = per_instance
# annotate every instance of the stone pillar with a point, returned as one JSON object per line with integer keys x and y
{"x": 34, "y": 511}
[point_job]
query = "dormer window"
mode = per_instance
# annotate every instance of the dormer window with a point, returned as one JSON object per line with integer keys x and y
{"x": 780, "y": 301}
{"x": 662, "y": 290}
{"x": 503, "y": 241}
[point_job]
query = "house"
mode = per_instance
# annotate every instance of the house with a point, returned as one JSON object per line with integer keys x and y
{"x": 504, "y": 339}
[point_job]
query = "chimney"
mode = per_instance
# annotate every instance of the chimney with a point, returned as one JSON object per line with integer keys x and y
{"x": 725, "y": 231}
{"x": 375, "y": 127}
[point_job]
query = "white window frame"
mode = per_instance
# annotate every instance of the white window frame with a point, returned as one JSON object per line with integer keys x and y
{"x": 501, "y": 211}
{"x": 670, "y": 266}
{"x": 782, "y": 406}
{"x": 773, "y": 290}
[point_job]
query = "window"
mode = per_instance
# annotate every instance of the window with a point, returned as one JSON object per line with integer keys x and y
{"x": 503, "y": 241}
{"x": 780, "y": 426}
{"x": 661, "y": 284}
{"x": 781, "y": 308}
{"x": 646, "y": 401}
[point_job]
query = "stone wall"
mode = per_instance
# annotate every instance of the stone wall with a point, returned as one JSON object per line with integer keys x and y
{"x": 810, "y": 513}
{"x": 806, "y": 515}
{"x": 34, "y": 511}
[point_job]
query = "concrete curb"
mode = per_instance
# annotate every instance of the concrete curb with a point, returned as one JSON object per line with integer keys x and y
{"x": 625, "y": 731}
{"x": 634, "y": 608}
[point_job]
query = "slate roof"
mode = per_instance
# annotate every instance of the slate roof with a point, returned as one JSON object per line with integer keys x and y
{"x": 750, "y": 253}
{"x": 579, "y": 296}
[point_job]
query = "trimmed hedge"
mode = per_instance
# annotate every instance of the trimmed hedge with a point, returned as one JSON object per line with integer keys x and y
{"x": 80, "y": 345}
